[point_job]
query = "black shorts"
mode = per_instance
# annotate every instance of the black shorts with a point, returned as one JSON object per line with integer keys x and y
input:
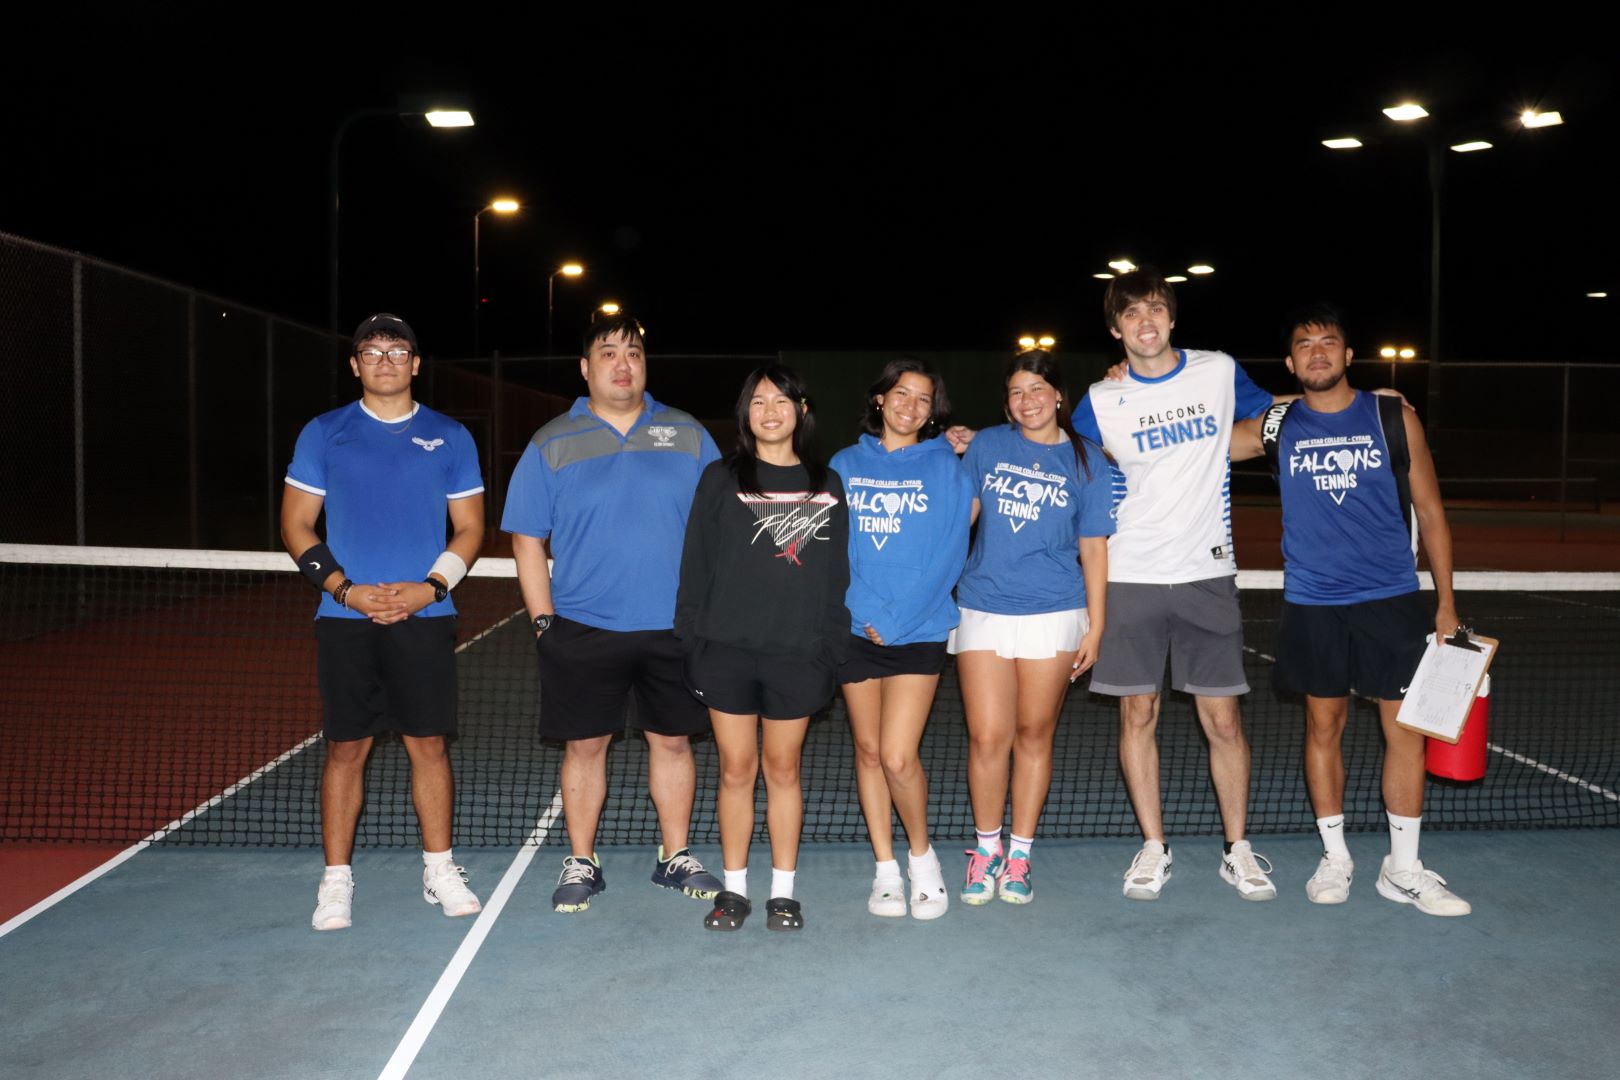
{"x": 1327, "y": 650}
{"x": 745, "y": 683}
{"x": 866, "y": 660}
{"x": 387, "y": 678}
{"x": 587, "y": 675}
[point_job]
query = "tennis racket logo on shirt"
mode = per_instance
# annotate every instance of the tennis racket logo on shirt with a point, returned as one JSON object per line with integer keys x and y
{"x": 1333, "y": 463}
{"x": 429, "y": 445}
{"x": 879, "y": 514}
{"x": 1022, "y": 493}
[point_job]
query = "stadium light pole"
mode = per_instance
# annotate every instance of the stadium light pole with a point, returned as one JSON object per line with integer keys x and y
{"x": 440, "y": 112}
{"x": 571, "y": 269}
{"x": 499, "y": 206}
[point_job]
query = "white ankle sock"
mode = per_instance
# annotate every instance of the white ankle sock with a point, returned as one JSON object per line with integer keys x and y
{"x": 1403, "y": 840}
{"x": 434, "y": 858}
{"x": 345, "y": 870}
{"x": 1331, "y": 829}
{"x": 1020, "y": 843}
{"x": 887, "y": 870}
{"x": 781, "y": 884}
{"x": 737, "y": 881}
{"x": 990, "y": 842}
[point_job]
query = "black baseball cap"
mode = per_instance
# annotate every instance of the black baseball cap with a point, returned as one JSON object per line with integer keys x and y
{"x": 384, "y": 323}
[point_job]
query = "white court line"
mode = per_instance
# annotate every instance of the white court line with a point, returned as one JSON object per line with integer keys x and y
{"x": 1586, "y": 785}
{"x": 426, "y": 1017}
{"x": 68, "y": 890}
{"x": 141, "y": 845}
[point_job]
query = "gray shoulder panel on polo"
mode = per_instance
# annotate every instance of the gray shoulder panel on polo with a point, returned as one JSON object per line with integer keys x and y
{"x": 670, "y": 430}
{"x": 569, "y": 440}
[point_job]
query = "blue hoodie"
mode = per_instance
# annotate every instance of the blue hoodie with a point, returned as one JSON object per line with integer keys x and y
{"x": 909, "y": 515}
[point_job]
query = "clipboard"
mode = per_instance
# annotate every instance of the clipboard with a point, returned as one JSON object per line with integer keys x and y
{"x": 1445, "y": 684}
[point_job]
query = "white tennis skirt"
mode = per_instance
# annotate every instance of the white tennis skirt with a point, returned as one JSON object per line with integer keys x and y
{"x": 1019, "y": 637}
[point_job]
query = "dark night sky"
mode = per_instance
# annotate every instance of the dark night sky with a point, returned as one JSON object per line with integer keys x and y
{"x": 832, "y": 182}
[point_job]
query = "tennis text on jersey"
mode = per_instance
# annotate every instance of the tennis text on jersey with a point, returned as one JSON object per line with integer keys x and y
{"x": 1332, "y": 462}
{"x": 1187, "y": 423}
{"x": 881, "y": 506}
{"x": 1022, "y": 492}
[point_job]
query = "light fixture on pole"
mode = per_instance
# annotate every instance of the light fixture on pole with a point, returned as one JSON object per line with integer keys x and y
{"x": 609, "y": 308}
{"x": 499, "y": 206}
{"x": 569, "y": 269}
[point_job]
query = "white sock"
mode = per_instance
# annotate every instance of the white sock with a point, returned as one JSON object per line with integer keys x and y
{"x": 1331, "y": 830}
{"x": 737, "y": 881}
{"x": 434, "y": 858}
{"x": 887, "y": 870}
{"x": 1403, "y": 840}
{"x": 782, "y": 884}
{"x": 926, "y": 863}
{"x": 1018, "y": 843}
{"x": 344, "y": 871}
{"x": 989, "y": 842}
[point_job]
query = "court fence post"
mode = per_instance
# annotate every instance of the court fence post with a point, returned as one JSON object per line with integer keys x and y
{"x": 78, "y": 402}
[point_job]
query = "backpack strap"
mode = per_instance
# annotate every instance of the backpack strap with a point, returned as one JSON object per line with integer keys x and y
{"x": 1392, "y": 419}
{"x": 1271, "y": 422}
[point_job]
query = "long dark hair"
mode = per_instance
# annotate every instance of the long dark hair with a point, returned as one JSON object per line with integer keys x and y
{"x": 744, "y": 460}
{"x": 1044, "y": 366}
{"x": 938, "y": 419}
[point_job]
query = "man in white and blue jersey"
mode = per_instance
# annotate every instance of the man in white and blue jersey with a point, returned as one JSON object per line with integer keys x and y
{"x": 1171, "y": 588}
{"x": 387, "y": 471}
{"x": 610, "y": 485}
{"x": 1352, "y": 616}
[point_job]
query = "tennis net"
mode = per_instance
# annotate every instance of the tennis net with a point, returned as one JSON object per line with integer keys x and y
{"x": 172, "y": 695}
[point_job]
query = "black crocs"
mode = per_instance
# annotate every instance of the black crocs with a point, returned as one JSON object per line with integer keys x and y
{"x": 783, "y": 915}
{"x": 730, "y": 909}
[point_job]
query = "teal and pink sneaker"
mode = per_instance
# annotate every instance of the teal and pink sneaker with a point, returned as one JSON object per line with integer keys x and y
{"x": 982, "y": 873}
{"x": 1015, "y": 886}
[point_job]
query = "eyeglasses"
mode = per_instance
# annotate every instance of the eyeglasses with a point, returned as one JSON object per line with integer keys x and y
{"x": 397, "y": 357}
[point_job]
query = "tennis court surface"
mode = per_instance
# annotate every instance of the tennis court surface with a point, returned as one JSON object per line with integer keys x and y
{"x": 163, "y": 703}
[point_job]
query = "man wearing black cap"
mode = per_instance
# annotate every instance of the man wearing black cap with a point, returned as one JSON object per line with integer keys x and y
{"x": 386, "y": 470}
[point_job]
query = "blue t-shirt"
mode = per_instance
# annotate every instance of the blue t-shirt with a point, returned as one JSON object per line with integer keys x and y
{"x": 909, "y": 512}
{"x": 387, "y": 486}
{"x": 1034, "y": 506}
{"x": 615, "y": 508}
{"x": 1345, "y": 539}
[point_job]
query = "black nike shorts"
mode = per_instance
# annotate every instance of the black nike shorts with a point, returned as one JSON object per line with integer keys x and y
{"x": 587, "y": 675}
{"x": 1373, "y": 648}
{"x": 399, "y": 678}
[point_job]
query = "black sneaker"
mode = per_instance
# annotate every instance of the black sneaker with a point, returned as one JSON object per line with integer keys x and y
{"x": 580, "y": 880}
{"x": 681, "y": 871}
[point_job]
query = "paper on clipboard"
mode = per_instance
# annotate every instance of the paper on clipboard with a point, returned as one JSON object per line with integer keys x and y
{"x": 1444, "y": 687}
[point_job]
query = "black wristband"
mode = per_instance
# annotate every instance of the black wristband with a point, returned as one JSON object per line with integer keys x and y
{"x": 317, "y": 565}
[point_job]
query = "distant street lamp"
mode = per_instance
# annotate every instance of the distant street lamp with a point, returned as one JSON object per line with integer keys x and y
{"x": 499, "y": 206}
{"x": 608, "y": 307}
{"x": 572, "y": 269}
{"x": 1030, "y": 341}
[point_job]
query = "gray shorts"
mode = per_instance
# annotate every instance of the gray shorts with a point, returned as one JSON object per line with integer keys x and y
{"x": 1197, "y": 623}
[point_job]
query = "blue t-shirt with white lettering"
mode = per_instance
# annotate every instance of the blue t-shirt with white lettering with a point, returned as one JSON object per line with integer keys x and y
{"x": 1034, "y": 506}
{"x": 1345, "y": 537}
{"x": 615, "y": 508}
{"x": 387, "y": 486}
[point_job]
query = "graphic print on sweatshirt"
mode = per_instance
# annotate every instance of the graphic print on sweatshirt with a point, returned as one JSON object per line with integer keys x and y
{"x": 1022, "y": 493}
{"x": 791, "y": 520}
{"x": 880, "y": 507}
{"x": 1333, "y": 462}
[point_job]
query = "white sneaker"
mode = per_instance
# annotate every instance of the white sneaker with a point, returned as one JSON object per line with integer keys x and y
{"x": 1331, "y": 882}
{"x": 1148, "y": 873}
{"x": 446, "y": 885}
{"x": 888, "y": 898}
{"x": 1424, "y": 889}
{"x": 334, "y": 903}
{"x": 929, "y": 898}
{"x": 1241, "y": 869}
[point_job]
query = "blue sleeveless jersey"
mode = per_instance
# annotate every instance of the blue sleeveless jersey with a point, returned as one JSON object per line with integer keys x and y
{"x": 1345, "y": 540}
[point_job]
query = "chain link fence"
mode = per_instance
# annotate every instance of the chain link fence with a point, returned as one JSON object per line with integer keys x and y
{"x": 139, "y": 412}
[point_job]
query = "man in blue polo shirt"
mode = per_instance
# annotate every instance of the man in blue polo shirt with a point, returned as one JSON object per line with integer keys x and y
{"x": 610, "y": 485}
{"x": 386, "y": 470}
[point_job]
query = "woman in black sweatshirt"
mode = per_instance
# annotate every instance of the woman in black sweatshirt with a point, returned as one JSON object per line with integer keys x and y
{"x": 761, "y": 613}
